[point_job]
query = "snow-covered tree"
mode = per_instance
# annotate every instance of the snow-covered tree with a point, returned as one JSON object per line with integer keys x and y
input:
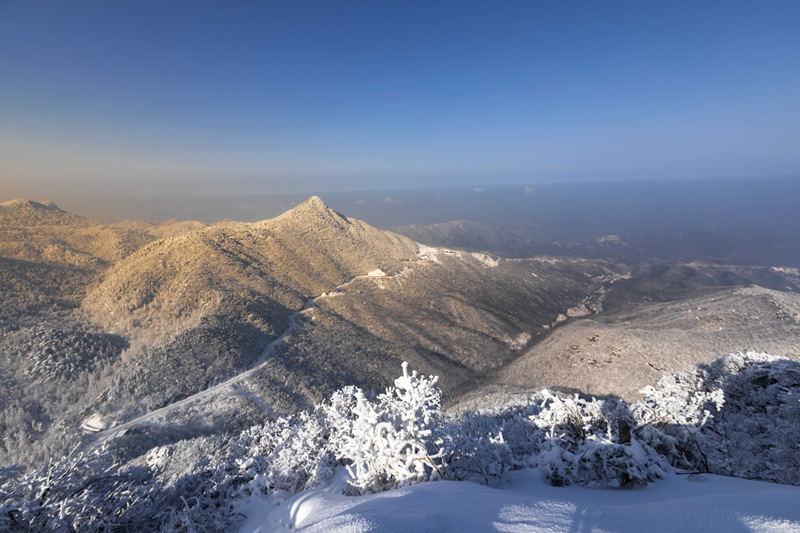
{"x": 571, "y": 440}
{"x": 392, "y": 441}
{"x": 86, "y": 491}
{"x": 738, "y": 416}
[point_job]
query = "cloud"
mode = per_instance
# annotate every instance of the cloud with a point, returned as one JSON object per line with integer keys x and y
{"x": 478, "y": 190}
{"x": 390, "y": 200}
{"x": 360, "y": 201}
{"x": 528, "y": 190}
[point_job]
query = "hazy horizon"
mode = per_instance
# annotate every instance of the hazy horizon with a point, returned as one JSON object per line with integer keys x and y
{"x": 757, "y": 211}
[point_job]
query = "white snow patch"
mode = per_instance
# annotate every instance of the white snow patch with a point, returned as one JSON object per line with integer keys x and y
{"x": 485, "y": 259}
{"x": 787, "y": 270}
{"x": 678, "y": 503}
{"x": 377, "y": 273}
{"x": 611, "y": 239}
{"x": 518, "y": 342}
{"x": 330, "y": 294}
{"x": 93, "y": 424}
{"x": 427, "y": 253}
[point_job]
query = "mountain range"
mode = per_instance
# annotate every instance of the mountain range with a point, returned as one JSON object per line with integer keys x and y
{"x": 140, "y": 334}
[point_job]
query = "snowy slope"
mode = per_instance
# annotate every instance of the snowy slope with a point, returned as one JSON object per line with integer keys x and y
{"x": 707, "y": 503}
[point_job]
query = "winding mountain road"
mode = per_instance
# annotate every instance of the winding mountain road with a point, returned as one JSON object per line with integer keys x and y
{"x": 103, "y": 435}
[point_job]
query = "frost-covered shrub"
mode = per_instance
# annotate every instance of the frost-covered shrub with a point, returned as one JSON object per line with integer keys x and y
{"x": 392, "y": 441}
{"x": 204, "y": 500}
{"x": 290, "y": 454}
{"x": 86, "y": 492}
{"x": 738, "y": 416}
{"x": 582, "y": 445}
{"x": 477, "y": 449}
{"x": 571, "y": 440}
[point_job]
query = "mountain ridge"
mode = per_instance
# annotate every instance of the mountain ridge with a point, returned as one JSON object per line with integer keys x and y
{"x": 43, "y": 232}
{"x": 29, "y": 204}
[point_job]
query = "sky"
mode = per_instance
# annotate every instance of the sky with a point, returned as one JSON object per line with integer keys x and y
{"x": 161, "y": 99}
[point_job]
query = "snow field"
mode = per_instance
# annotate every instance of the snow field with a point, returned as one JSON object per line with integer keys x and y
{"x": 707, "y": 503}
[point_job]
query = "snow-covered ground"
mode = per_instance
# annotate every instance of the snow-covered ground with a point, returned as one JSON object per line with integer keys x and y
{"x": 429, "y": 253}
{"x": 706, "y": 503}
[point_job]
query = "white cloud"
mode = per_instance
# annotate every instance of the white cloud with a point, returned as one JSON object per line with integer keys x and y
{"x": 478, "y": 190}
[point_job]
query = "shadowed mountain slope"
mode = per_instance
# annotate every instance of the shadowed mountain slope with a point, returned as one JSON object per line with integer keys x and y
{"x": 488, "y": 326}
{"x": 455, "y": 315}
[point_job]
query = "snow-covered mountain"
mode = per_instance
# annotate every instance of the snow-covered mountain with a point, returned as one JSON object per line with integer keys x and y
{"x": 185, "y": 330}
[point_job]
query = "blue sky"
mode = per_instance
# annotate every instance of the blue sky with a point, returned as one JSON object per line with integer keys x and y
{"x": 184, "y": 98}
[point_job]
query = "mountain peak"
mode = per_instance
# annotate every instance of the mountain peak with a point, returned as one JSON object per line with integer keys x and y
{"x": 311, "y": 209}
{"x": 316, "y": 202}
{"x": 313, "y": 204}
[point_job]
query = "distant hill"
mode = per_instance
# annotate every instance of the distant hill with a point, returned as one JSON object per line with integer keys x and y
{"x": 41, "y": 232}
{"x": 170, "y": 228}
{"x": 36, "y": 231}
{"x": 524, "y": 238}
{"x": 511, "y": 239}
